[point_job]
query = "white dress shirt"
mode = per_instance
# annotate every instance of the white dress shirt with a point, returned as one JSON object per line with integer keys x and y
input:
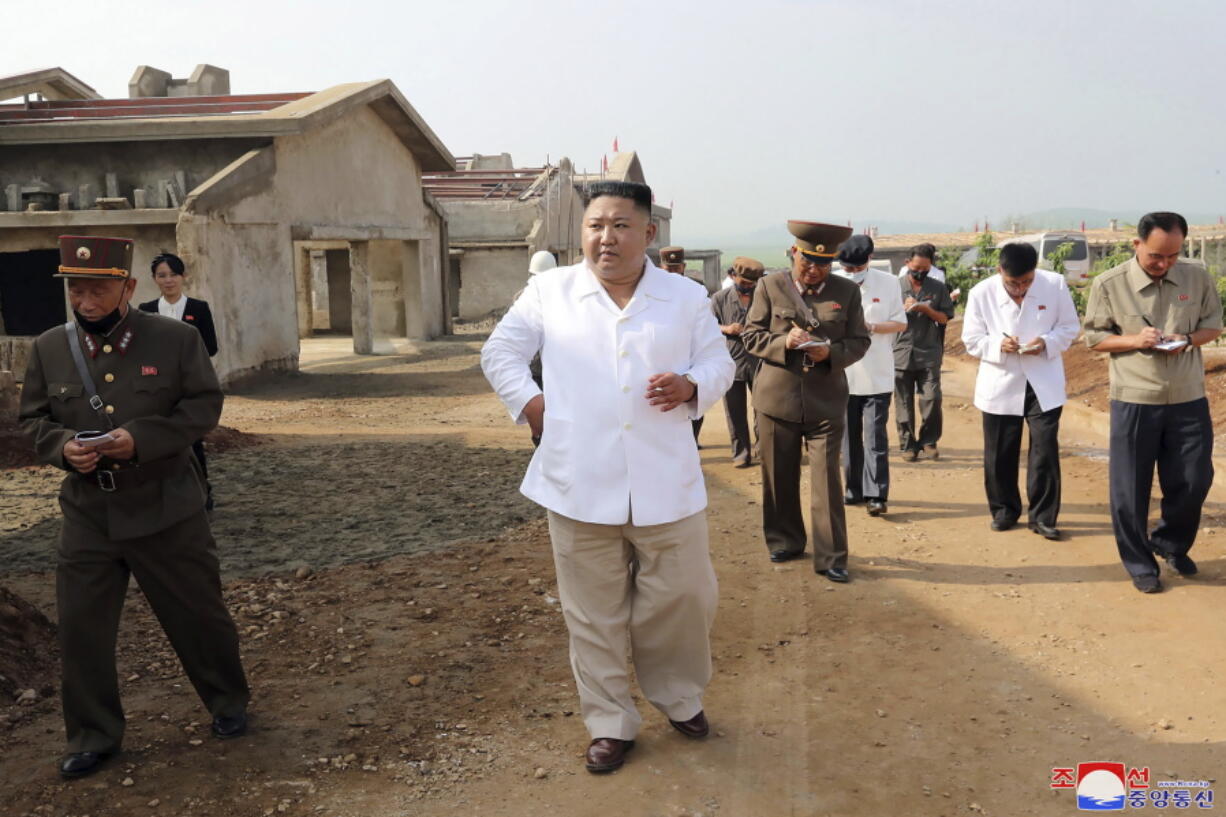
{"x": 1046, "y": 312}
{"x": 607, "y": 456}
{"x": 881, "y": 298}
{"x": 174, "y": 310}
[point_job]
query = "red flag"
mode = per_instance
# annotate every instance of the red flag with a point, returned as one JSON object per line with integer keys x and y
{"x": 976, "y": 226}
{"x": 1083, "y": 225}
{"x": 615, "y": 144}
{"x": 604, "y": 164}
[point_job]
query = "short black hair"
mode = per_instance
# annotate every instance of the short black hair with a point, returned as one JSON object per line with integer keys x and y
{"x": 923, "y": 251}
{"x": 1167, "y": 222}
{"x": 169, "y": 259}
{"x": 640, "y": 194}
{"x": 1018, "y": 258}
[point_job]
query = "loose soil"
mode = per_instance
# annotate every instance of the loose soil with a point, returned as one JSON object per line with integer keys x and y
{"x": 401, "y": 631}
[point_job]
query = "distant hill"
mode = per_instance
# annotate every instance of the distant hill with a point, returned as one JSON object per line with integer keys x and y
{"x": 1065, "y": 218}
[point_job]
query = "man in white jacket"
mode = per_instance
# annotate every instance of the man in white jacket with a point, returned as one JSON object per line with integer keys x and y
{"x": 630, "y": 356}
{"x": 1018, "y": 323}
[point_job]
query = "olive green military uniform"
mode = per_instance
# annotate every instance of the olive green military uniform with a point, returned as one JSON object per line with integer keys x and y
{"x": 799, "y": 401}
{"x": 144, "y": 517}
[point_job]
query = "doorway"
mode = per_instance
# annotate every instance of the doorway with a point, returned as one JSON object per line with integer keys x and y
{"x": 31, "y": 300}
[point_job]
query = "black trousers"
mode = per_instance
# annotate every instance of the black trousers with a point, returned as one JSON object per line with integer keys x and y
{"x": 782, "y": 517}
{"x": 736, "y": 411}
{"x": 177, "y": 570}
{"x": 1002, "y": 444}
{"x": 1178, "y": 439}
{"x": 928, "y": 383}
{"x": 866, "y": 447}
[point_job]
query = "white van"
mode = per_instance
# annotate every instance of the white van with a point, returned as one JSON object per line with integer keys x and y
{"x": 1076, "y": 266}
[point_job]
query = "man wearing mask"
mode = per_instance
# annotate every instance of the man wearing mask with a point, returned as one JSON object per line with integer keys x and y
{"x": 1153, "y": 313}
{"x": 731, "y": 306}
{"x": 133, "y": 498}
{"x": 807, "y": 327}
{"x": 1018, "y": 323}
{"x": 918, "y": 353}
{"x": 630, "y": 355}
{"x": 870, "y": 381}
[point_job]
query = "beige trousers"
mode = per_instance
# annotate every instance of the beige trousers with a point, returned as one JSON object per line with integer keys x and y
{"x": 651, "y": 588}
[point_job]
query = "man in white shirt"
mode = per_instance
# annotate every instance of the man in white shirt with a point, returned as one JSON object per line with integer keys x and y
{"x": 870, "y": 381}
{"x": 631, "y": 354}
{"x": 1018, "y": 323}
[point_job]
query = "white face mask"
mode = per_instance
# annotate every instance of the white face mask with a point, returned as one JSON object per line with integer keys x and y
{"x": 858, "y": 277}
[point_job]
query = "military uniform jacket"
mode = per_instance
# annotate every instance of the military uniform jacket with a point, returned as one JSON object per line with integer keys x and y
{"x": 784, "y": 388}
{"x": 155, "y": 379}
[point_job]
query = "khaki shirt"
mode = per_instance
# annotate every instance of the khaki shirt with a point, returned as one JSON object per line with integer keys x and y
{"x": 784, "y": 387}
{"x": 155, "y": 379}
{"x": 1124, "y": 300}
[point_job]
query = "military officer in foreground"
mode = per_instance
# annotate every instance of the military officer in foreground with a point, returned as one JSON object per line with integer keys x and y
{"x": 807, "y": 327}
{"x": 116, "y": 399}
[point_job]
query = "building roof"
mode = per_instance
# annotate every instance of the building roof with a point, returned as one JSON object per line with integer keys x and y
{"x": 219, "y": 117}
{"x": 1095, "y": 236}
{"x": 516, "y": 184}
{"x": 51, "y": 83}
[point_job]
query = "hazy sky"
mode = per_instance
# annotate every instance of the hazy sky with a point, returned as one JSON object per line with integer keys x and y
{"x": 745, "y": 114}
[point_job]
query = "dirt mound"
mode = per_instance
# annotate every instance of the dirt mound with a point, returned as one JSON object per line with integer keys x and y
{"x": 224, "y": 438}
{"x": 27, "y": 648}
{"x": 16, "y": 450}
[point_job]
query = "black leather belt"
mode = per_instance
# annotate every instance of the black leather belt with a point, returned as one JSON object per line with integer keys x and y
{"x": 131, "y": 476}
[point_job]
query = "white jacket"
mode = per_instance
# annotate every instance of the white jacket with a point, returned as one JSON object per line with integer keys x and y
{"x": 1045, "y": 312}
{"x": 606, "y": 456}
{"x": 881, "y": 298}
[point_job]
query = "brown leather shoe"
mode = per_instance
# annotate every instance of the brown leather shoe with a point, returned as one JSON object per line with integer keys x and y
{"x": 606, "y": 754}
{"x": 696, "y": 727}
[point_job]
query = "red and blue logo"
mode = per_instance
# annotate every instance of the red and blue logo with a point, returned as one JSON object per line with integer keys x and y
{"x": 1100, "y": 786}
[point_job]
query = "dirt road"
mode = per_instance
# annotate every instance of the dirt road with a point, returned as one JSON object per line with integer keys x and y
{"x": 404, "y": 643}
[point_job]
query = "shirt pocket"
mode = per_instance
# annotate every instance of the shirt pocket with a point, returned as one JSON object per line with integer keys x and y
{"x": 556, "y": 456}
{"x": 784, "y": 318}
{"x": 1182, "y": 319}
{"x": 1132, "y": 323}
{"x": 65, "y": 391}
{"x": 148, "y": 384}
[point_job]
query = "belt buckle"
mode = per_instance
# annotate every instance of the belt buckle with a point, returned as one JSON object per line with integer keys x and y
{"x": 106, "y": 481}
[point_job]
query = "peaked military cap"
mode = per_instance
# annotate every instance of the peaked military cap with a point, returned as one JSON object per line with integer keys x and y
{"x": 747, "y": 268}
{"x": 817, "y": 241}
{"x": 93, "y": 256}
{"x": 672, "y": 255}
{"x": 856, "y": 250}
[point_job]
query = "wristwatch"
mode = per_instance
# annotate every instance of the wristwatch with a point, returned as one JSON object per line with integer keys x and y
{"x": 692, "y": 381}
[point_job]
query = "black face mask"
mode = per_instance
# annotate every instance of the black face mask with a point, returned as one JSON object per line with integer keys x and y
{"x": 918, "y": 275}
{"x": 101, "y": 326}
{"x": 744, "y": 290}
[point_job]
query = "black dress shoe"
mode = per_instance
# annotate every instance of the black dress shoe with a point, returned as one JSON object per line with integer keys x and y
{"x": 1046, "y": 531}
{"x": 230, "y": 727}
{"x": 695, "y": 728}
{"x": 1182, "y": 564}
{"x": 745, "y": 463}
{"x": 606, "y": 754}
{"x": 852, "y": 500}
{"x": 786, "y": 555}
{"x": 1003, "y": 524}
{"x": 836, "y": 574}
{"x": 1147, "y": 583}
{"x": 80, "y": 764}
{"x": 876, "y": 507}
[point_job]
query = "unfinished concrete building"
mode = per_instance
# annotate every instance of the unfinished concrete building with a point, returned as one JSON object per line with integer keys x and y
{"x": 498, "y": 215}
{"x": 294, "y": 212}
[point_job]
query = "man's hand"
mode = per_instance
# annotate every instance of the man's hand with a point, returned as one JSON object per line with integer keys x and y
{"x": 123, "y": 447}
{"x": 1034, "y": 347}
{"x": 908, "y": 302}
{"x": 1009, "y": 345}
{"x": 1148, "y": 338}
{"x": 797, "y": 337}
{"x": 732, "y": 329}
{"x": 669, "y": 390}
{"x": 81, "y": 458}
{"x": 534, "y": 413}
{"x": 818, "y": 353}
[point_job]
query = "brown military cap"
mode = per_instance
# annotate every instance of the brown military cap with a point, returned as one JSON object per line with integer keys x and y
{"x": 92, "y": 256}
{"x": 672, "y": 255}
{"x": 749, "y": 268}
{"x": 818, "y": 242}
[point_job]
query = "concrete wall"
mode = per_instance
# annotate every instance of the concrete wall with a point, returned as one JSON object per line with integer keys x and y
{"x": 490, "y": 279}
{"x": 135, "y": 164}
{"x": 491, "y": 220}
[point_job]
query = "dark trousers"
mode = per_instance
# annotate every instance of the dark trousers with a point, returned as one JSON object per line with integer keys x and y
{"x": 177, "y": 570}
{"x": 736, "y": 411}
{"x": 697, "y": 426}
{"x": 1002, "y": 445}
{"x": 782, "y": 519}
{"x": 928, "y": 383}
{"x": 1179, "y": 440}
{"x": 866, "y": 448}
{"x": 198, "y": 452}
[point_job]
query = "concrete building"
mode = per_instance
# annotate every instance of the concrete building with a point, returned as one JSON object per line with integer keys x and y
{"x": 294, "y": 212}
{"x": 498, "y": 215}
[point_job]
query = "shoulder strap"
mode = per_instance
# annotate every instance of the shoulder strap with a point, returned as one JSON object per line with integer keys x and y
{"x": 78, "y": 358}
